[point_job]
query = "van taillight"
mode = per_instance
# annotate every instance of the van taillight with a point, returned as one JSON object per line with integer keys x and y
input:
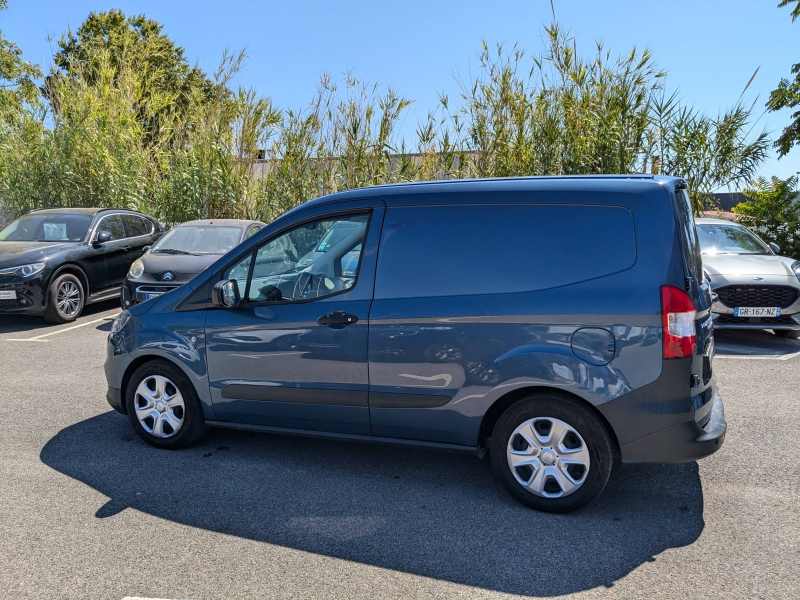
{"x": 677, "y": 313}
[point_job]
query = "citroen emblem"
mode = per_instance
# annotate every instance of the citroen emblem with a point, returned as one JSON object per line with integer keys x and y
{"x": 168, "y": 276}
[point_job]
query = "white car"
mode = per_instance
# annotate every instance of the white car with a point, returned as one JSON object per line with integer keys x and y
{"x": 754, "y": 287}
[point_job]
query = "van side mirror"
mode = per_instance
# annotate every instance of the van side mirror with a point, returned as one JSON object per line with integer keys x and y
{"x": 225, "y": 294}
{"x": 102, "y": 237}
{"x": 774, "y": 247}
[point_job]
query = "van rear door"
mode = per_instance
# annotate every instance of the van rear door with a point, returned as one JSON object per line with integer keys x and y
{"x": 703, "y": 387}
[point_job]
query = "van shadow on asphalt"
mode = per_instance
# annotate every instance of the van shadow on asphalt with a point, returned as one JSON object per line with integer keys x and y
{"x": 429, "y": 513}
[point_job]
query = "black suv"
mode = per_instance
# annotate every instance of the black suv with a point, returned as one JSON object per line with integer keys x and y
{"x": 53, "y": 262}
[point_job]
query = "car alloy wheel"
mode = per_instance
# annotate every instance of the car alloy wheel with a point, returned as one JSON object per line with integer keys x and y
{"x": 159, "y": 406}
{"x": 68, "y": 299}
{"x": 65, "y": 299}
{"x": 548, "y": 457}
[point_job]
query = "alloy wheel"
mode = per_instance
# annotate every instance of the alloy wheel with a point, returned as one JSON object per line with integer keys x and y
{"x": 68, "y": 298}
{"x": 548, "y": 457}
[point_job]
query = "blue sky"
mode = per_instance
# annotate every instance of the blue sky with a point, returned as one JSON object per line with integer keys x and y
{"x": 709, "y": 48}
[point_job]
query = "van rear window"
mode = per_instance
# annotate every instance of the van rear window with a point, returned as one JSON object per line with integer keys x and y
{"x": 454, "y": 250}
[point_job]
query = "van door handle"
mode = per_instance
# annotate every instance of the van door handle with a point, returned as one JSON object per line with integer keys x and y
{"x": 338, "y": 317}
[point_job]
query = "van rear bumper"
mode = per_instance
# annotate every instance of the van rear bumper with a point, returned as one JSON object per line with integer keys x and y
{"x": 681, "y": 442}
{"x": 658, "y": 423}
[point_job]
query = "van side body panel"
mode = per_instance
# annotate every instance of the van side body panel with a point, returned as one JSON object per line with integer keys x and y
{"x": 474, "y": 348}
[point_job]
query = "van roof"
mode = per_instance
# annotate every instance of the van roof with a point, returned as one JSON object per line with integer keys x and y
{"x": 426, "y": 191}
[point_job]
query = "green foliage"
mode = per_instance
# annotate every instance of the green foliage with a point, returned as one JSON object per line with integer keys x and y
{"x": 795, "y": 10}
{"x": 133, "y": 44}
{"x": 787, "y": 95}
{"x": 563, "y": 115}
{"x": 17, "y": 80}
{"x": 127, "y": 122}
{"x": 774, "y": 211}
{"x": 708, "y": 152}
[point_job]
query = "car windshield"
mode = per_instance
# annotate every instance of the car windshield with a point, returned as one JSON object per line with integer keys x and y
{"x": 198, "y": 239}
{"x": 729, "y": 239}
{"x": 47, "y": 228}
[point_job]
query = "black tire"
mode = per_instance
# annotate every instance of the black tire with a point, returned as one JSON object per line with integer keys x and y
{"x": 579, "y": 417}
{"x": 193, "y": 424}
{"x": 791, "y": 334}
{"x": 72, "y": 295}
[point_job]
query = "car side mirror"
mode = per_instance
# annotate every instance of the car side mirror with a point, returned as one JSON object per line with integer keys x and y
{"x": 774, "y": 247}
{"x": 312, "y": 245}
{"x": 102, "y": 237}
{"x": 225, "y": 294}
{"x": 145, "y": 249}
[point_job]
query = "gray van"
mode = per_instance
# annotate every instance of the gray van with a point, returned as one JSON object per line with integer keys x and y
{"x": 560, "y": 324}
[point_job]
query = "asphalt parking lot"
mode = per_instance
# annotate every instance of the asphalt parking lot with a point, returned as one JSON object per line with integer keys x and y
{"x": 89, "y": 510}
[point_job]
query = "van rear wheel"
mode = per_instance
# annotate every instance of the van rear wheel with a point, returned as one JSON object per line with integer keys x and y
{"x": 551, "y": 453}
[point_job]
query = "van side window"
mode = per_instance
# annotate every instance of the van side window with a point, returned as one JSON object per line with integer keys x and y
{"x": 311, "y": 261}
{"x": 454, "y": 250}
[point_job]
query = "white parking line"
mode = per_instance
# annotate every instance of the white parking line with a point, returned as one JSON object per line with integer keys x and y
{"x": 38, "y": 338}
{"x": 742, "y": 357}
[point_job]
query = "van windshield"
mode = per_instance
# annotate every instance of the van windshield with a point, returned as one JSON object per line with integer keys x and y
{"x": 729, "y": 239}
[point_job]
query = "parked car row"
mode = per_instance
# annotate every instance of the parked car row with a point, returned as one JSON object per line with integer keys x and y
{"x": 54, "y": 262}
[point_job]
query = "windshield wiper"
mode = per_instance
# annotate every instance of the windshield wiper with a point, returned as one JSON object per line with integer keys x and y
{"x": 173, "y": 251}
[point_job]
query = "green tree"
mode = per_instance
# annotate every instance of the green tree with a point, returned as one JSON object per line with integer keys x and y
{"x": 17, "y": 79}
{"x": 787, "y": 95}
{"x": 774, "y": 211}
{"x": 708, "y": 152}
{"x": 138, "y": 44}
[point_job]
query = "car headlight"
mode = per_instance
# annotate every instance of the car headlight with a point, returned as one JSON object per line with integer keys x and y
{"x": 120, "y": 321}
{"x": 796, "y": 269}
{"x": 24, "y": 270}
{"x": 137, "y": 269}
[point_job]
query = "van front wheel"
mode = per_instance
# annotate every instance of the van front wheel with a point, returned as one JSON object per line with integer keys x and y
{"x": 551, "y": 453}
{"x": 163, "y": 406}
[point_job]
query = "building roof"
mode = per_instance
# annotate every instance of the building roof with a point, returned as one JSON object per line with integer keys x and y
{"x": 726, "y": 200}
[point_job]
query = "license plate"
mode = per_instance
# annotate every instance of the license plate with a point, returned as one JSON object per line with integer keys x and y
{"x": 749, "y": 311}
{"x": 151, "y": 296}
{"x": 9, "y": 295}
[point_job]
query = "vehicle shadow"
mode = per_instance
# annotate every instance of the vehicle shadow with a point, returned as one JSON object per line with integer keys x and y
{"x": 753, "y": 342}
{"x": 10, "y": 323}
{"x": 430, "y": 513}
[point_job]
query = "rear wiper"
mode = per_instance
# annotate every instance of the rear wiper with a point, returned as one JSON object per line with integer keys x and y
{"x": 173, "y": 251}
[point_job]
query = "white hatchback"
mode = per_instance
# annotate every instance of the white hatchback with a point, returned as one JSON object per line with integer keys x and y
{"x": 754, "y": 287}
